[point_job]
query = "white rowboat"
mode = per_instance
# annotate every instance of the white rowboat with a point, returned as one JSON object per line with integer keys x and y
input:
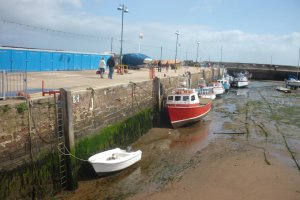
{"x": 114, "y": 160}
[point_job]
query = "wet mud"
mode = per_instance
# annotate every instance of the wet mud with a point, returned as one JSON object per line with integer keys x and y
{"x": 256, "y": 127}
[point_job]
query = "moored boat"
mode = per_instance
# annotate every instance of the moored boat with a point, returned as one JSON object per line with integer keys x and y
{"x": 292, "y": 82}
{"x": 114, "y": 160}
{"x": 283, "y": 89}
{"x": 206, "y": 93}
{"x": 184, "y": 107}
{"x": 240, "y": 81}
{"x": 218, "y": 88}
{"x": 225, "y": 83}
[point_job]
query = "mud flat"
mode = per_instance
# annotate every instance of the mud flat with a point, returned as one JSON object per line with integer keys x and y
{"x": 248, "y": 147}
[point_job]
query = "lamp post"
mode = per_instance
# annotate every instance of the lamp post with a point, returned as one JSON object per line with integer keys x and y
{"x": 221, "y": 54}
{"x": 141, "y": 36}
{"x": 124, "y": 9}
{"x": 197, "y": 51}
{"x": 298, "y": 64}
{"x": 177, "y": 33}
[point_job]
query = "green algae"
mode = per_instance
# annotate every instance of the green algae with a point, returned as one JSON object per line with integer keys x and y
{"x": 22, "y": 107}
{"x": 33, "y": 180}
{"x": 40, "y": 178}
{"x": 5, "y": 108}
{"x": 120, "y": 134}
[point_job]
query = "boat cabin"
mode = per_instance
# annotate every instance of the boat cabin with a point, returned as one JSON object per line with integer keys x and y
{"x": 183, "y": 96}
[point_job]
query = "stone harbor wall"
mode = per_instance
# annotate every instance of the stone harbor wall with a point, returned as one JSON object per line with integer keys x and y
{"x": 94, "y": 119}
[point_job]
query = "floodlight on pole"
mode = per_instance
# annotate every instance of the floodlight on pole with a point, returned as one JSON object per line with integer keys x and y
{"x": 177, "y": 33}
{"x": 197, "y": 51}
{"x": 141, "y": 36}
{"x": 124, "y": 9}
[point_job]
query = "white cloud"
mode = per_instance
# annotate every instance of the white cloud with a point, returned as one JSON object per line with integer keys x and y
{"x": 237, "y": 45}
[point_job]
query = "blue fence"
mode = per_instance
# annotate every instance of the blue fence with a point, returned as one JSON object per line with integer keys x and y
{"x": 12, "y": 59}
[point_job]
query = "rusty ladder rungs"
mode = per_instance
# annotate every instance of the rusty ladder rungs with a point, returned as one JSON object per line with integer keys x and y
{"x": 61, "y": 144}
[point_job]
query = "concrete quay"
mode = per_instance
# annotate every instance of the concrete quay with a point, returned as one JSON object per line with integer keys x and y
{"x": 53, "y": 80}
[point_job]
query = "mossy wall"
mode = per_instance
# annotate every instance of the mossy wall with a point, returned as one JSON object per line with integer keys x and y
{"x": 28, "y": 164}
{"x": 97, "y": 108}
{"x": 120, "y": 134}
{"x": 33, "y": 180}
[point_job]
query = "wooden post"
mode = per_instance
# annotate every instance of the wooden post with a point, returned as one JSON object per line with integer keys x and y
{"x": 156, "y": 82}
{"x": 67, "y": 104}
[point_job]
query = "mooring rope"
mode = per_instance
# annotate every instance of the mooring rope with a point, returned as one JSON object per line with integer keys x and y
{"x": 141, "y": 88}
{"x": 70, "y": 154}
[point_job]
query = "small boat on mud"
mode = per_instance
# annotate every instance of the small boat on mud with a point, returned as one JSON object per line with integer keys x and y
{"x": 185, "y": 107}
{"x": 283, "y": 89}
{"x": 114, "y": 160}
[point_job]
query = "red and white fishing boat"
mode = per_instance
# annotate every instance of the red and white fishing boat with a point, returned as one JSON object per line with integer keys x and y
{"x": 184, "y": 107}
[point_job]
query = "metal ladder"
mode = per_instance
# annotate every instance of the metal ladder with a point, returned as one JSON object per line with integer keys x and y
{"x": 60, "y": 142}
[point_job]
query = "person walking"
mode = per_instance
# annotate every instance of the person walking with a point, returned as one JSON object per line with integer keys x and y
{"x": 167, "y": 66}
{"x": 102, "y": 67}
{"x": 111, "y": 65}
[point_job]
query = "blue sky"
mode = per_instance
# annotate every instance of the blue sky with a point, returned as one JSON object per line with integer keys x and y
{"x": 255, "y": 31}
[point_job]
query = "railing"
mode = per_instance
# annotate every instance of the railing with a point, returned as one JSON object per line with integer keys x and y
{"x": 13, "y": 84}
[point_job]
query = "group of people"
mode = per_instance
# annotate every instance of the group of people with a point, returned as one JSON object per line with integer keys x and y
{"x": 111, "y": 65}
{"x": 159, "y": 66}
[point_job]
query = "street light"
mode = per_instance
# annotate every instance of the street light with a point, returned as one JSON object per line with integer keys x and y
{"x": 221, "y": 54}
{"x": 177, "y": 33}
{"x": 141, "y": 36}
{"x": 123, "y": 8}
{"x": 197, "y": 51}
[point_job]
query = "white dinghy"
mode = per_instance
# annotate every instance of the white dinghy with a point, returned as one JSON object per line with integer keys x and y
{"x": 114, "y": 160}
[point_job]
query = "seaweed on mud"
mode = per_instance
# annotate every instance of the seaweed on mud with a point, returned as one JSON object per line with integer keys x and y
{"x": 287, "y": 115}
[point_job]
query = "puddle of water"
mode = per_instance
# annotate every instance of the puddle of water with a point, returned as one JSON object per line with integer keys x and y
{"x": 242, "y": 92}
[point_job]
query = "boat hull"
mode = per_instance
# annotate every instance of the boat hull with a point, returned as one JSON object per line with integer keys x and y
{"x": 208, "y": 96}
{"x": 240, "y": 84}
{"x": 219, "y": 91}
{"x": 292, "y": 83}
{"x": 102, "y": 164}
{"x": 181, "y": 115}
{"x": 283, "y": 89}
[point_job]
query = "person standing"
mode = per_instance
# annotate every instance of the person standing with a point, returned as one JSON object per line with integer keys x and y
{"x": 159, "y": 66}
{"x": 102, "y": 67}
{"x": 111, "y": 65}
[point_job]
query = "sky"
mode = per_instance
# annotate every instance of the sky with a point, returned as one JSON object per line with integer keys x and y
{"x": 246, "y": 31}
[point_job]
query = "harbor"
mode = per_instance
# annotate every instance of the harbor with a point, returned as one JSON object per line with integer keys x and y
{"x": 136, "y": 101}
{"x": 247, "y": 147}
{"x": 251, "y": 128}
